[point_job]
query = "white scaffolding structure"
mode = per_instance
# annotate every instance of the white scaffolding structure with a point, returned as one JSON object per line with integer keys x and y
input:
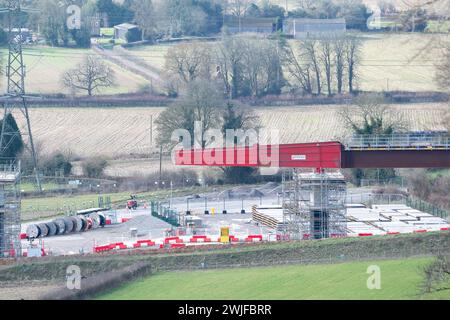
{"x": 10, "y": 224}
{"x": 314, "y": 205}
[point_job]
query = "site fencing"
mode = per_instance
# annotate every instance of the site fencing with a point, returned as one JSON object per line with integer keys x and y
{"x": 424, "y": 206}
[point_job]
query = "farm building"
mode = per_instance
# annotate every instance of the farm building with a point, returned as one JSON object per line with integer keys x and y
{"x": 250, "y": 25}
{"x": 304, "y": 28}
{"x": 127, "y": 32}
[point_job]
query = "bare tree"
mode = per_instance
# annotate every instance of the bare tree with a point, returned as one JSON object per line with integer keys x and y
{"x": 442, "y": 78}
{"x": 229, "y": 57}
{"x": 437, "y": 275}
{"x": 199, "y": 101}
{"x": 90, "y": 75}
{"x": 370, "y": 114}
{"x": 238, "y": 8}
{"x": 262, "y": 64}
{"x": 326, "y": 58}
{"x": 339, "y": 61}
{"x": 306, "y": 4}
{"x": 352, "y": 57}
{"x": 299, "y": 68}
{"x": 144, "y": 16}
{"x": 443, "y": 71}
{"x": 311, "y": 49}
{"x": 189, "y": 61}
{"x": 446, "y": 121}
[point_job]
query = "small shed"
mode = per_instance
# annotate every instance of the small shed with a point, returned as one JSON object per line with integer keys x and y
{"x": 127, "y": 32}
{"x": 304, "y": 28}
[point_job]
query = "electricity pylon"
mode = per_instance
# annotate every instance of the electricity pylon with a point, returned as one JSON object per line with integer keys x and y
{"x": 15, "y": 97}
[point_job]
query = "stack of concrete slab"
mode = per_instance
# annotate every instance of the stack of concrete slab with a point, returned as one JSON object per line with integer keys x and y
{"x": 355, "y": 228}
{"x": 381, "y": 219}
{"x": 404, "y": 219}
{"x": 364, "y": 214}
{"x": 269, "y": 216}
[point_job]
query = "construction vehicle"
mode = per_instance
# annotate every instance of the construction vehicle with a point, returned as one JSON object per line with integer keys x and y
{"x": 132, "y": 204}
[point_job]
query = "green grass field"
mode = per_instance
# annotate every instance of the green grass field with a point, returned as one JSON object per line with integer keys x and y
{"x": 400, "y": 279}
{"x": 153, "y": 55}
{"x": 46, "y": 66}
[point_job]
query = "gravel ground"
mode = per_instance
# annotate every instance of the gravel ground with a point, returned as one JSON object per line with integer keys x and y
{"x": 30, "y": 290}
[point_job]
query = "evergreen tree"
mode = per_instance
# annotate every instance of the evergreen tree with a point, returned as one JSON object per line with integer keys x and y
{"x": 12, "y": 141}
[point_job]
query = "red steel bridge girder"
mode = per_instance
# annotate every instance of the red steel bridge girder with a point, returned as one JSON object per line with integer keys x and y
{"x": 323, "y": 155}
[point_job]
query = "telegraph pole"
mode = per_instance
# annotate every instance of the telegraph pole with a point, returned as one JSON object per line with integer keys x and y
{"x": 15, "y": 97}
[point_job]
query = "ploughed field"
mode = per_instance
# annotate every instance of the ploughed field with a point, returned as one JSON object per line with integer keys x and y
{"x": 126, "y": 132}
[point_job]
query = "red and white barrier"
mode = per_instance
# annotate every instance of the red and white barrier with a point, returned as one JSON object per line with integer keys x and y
{"x": 197, "y": 239}
{"x": 254, "y": 238}
{"x": 365, "y": 234}
{"x": 145, "y": 243}
{"x": 171, "y": 240}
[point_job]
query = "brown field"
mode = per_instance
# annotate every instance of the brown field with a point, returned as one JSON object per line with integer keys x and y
{"x": 124, "y": 133}
{"x": 401, "y": 4}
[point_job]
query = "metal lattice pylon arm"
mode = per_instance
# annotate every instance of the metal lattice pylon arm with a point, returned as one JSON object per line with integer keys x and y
{"x": 15, "y": 97}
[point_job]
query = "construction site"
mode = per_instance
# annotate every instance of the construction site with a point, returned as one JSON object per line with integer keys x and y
{"x": 309, "y": 210}
{"x": 311, "y": 203}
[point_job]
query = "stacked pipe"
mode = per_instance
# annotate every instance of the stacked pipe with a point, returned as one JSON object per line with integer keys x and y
{"x": 66, "y": 225}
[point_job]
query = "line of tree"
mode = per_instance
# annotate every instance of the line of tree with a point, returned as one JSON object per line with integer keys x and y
{"x": 173, "y": 18}
{"x": 312, "y": 64}
{"x": 325, "y": 63}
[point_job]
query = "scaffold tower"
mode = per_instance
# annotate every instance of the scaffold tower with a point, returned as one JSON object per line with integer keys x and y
{"x": 10, "y": 225}
{"x": 314, "y": 205}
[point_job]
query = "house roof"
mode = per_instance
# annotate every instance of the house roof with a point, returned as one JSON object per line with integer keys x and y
{"x": 126, "y": 26}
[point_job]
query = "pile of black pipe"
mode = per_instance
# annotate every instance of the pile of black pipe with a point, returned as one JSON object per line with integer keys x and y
{"x": 66, "y": 225}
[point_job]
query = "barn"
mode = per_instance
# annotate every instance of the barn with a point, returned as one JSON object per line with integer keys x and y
{"x": 304, "y": 28}
{"x": 127, "y": 32}
{"x": 236, "y": 25}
